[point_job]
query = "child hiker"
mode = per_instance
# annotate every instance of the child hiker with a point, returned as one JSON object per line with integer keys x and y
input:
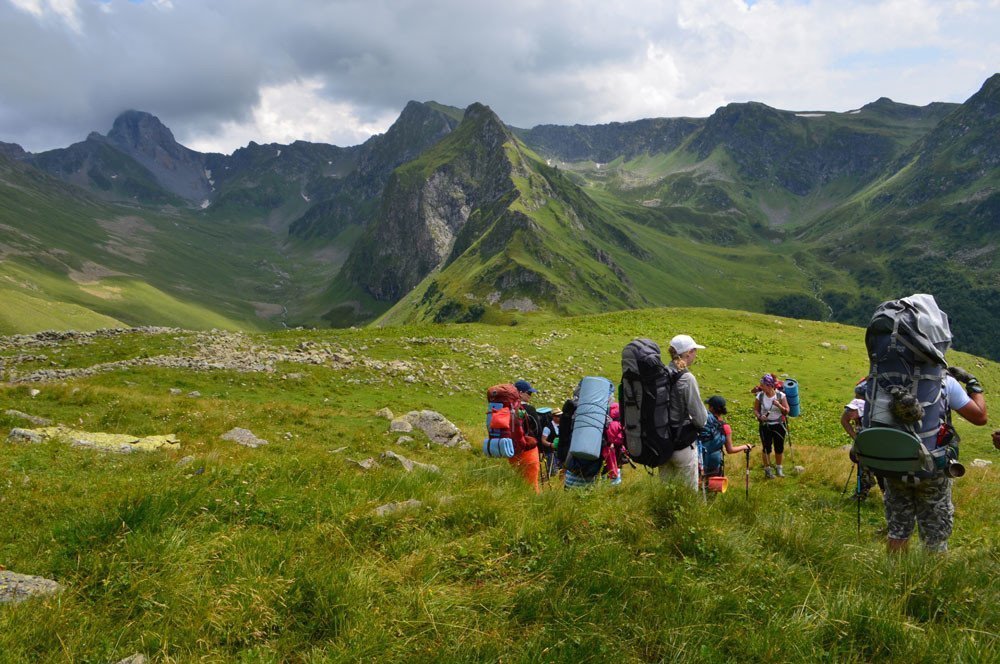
{"x": 770, "y": 407}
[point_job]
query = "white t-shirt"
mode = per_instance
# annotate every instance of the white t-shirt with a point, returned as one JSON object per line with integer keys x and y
{"x": 768, "y": 406}
{"x": 957, "y": 398}
{"x": 548, "y": 431}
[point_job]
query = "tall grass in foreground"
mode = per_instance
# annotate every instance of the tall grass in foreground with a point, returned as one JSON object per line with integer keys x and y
{"x": 275, "y": 554}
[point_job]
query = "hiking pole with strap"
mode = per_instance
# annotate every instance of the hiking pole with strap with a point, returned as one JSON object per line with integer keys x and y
{"x": 748, "y": 474}
{"x": 858, "y": 492}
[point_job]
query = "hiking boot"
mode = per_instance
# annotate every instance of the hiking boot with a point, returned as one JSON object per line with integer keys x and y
{"x": 768, "y": 473}
{"x": 779, "y": 471}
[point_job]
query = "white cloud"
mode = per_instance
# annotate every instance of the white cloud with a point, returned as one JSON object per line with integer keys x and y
{"x": 64, "y": 10}
{"x": 294, "y": 111}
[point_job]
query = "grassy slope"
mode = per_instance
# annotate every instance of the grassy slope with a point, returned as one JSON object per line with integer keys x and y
{"x": 274, "y": 554}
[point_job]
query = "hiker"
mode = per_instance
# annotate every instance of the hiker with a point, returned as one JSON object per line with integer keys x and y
{"x": 850, "y": 420}
{"x": 716, "y": 437}
{"x": 687, "y": 412}
{"x": 770, "y": 407}
{"x": 614, "y": 439}
{"x": 527, "y": 460}
{"x": 549, "y": 439}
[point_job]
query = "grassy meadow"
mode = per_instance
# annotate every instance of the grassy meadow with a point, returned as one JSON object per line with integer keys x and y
{"x": 275, "y": 554}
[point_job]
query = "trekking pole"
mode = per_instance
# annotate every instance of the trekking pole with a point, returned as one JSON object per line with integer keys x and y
{"x": 748, "y": 474}
{"x": 858, "y": 492}
{"x": 848, "y": 482}
{"x": 788, "y": 435}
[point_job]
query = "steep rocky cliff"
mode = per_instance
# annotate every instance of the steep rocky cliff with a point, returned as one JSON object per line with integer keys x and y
{"x": 427, "y": 203}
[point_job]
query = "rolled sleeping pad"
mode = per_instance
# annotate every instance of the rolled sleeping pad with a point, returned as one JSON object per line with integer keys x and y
{"x": 792, "y": 394}
{"x": 498, "y": 448}
{"x": 590, "y": 417}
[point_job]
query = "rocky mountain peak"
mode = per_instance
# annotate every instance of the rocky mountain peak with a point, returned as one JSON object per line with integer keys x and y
{"x": 141, "y": 132}
{"x": 11, "y": 150}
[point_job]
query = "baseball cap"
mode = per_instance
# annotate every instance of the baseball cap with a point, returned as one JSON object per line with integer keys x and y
{"x": 717, "y": 403}
{"x": 682, "y": 343}
{"x": 525, "y": 386}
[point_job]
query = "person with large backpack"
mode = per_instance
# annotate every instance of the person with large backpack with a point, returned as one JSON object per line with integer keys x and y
{"x": 770, "y": 408}
{"x": 662, "y": 411}
{"x": 716, "y": 437}
{"x": 686, "y": 411}
{"x": 526, "y": 460}
{"x": 907, "y": 437}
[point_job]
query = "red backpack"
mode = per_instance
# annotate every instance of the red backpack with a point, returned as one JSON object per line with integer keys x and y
{"x": 504, "y": 422}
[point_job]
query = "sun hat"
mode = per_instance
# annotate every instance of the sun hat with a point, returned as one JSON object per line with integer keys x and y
{"x": 682, "y": 343}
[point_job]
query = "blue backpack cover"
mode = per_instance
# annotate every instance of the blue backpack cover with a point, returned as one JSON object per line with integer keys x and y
{"x": 711, "y": 440}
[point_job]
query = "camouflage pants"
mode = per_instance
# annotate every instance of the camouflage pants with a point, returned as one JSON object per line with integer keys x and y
{"x": 927, "y": 504}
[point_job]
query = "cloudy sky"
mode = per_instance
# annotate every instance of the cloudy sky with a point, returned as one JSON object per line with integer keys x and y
{"x": 221, "y": 73}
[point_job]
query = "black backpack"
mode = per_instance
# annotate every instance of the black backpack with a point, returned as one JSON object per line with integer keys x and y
{"x": 565, "y": 431}
{"x": 644, "y": 395}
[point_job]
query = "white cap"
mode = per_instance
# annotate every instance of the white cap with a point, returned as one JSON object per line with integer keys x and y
{"x": 682, "y": 343}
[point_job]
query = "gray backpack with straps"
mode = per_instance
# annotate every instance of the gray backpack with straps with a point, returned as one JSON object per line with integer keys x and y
{"x": 906, "y": 342}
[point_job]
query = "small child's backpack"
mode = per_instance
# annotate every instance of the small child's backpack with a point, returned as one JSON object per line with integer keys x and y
{"x": 504, "y": 425}
{"x": 711, "y": 440}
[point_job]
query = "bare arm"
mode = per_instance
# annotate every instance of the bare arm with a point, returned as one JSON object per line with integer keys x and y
{"x": 729, "y": 444}
{"x": 975, "y": 410}
{"x": 847, "y": 421}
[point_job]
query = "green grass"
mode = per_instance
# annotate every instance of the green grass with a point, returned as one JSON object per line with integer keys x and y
{"x": 274, "y": 554}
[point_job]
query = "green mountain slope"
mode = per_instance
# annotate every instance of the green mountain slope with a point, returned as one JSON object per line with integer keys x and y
{"x": 931, "y": 223}
{"x": 523, "y": 238}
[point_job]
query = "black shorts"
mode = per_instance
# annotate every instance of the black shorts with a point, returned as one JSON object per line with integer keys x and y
{"x": 773, "y": 434}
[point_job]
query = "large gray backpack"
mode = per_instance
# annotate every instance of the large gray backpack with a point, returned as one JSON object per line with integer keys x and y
{"x": 906, "y": 341}
{"x": 644, "y": 398}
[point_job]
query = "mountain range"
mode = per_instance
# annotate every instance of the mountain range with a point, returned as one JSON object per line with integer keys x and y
{"x": 452, "y": 216}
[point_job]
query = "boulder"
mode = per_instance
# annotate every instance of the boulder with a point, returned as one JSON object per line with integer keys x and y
{"x": 122, "y": 443}
{"x": 400, "y": 425}
{"x": 365, "y": 464}
{"x": 18, "y": 435}
{"x": 386, "y": 413}
{"x": 402, "y": 440}
{"x": 185, "y": 461}
{"x": 19, "y": 587}
{"x": 409, "y": 464}
{"x": 437, "y": 428}
{"x": 244, "y": 437}
{"x": 981, "y": 463}
{"x": 389, "y": 508}
{"x": 798, "y": 470}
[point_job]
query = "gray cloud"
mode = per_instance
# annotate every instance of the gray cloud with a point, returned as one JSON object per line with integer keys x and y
{"x": 225, "y": 72}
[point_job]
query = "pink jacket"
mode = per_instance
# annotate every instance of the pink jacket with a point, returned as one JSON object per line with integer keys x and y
{"x": 614, "y": 439}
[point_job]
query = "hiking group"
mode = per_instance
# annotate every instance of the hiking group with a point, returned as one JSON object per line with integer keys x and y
{"x": 899, "y": 422}
{"x": 658, "y": 421}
